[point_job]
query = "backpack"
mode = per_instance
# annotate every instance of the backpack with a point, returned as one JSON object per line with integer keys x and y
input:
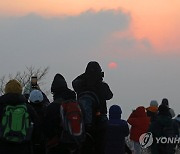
{"x": 71, "y": 122}
{"x": 15, "y": 125}
{"x": 169, "y": 131}
{"x": 90, "y": 105}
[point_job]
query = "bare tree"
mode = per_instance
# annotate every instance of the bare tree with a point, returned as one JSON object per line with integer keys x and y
{"x": 25, "y": 76}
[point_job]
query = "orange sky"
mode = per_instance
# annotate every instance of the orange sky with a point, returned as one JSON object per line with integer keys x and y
{"x": 157, "y": 20}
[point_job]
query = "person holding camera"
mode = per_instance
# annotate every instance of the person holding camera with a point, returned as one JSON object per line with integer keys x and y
{"x": 92, "y": 80}
{"x": 33, "y": 85}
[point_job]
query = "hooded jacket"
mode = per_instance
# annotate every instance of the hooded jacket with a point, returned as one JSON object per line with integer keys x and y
{"x": 60, "y": 92}
{"x": 14, "y": 99}
{"x": 92, "y": 80}
{"x": 117, "y": 130}
{"x": 139, "y": 122}
{"x": 156, "y": 128}
{"x": 152, "y": 112}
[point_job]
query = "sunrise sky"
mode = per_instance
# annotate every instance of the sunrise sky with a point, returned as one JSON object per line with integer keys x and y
{"x": 135, "y": 41}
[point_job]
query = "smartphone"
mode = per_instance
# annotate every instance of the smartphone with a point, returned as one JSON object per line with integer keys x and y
{"x": 34, "y": 80}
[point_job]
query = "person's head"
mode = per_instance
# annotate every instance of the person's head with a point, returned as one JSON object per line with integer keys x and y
{"x": 59, "y": 84}
{"x": 94, "y": 72}
{"x": 13, "y": 86}
{"x": 36, "y": 96}
{"x": 165, "y": 102}
{"x": 163, "y": 110}
{"x": 153, "y": 103}
{"x": 115, "y": 112}
{"x": 140, "y": 111}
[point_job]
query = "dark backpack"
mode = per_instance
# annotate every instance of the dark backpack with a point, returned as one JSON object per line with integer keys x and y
{"x": 169, "y": 131}
{"x": 71, "y": 122}
{"x": 16, "y": 125}
{"x": 90, "y": 105}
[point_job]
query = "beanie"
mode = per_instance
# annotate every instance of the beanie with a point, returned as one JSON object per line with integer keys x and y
{"x": 154, "y": 103}
{"x": 13, "y": 86}
{"x": 36, "y": 96}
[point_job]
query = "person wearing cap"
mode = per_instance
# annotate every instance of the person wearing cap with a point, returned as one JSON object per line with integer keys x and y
{"x": 92, "y": 80}
{"x": 13, "y": 97}
{"x": 117, "y": 130}
{"x": 37, "y": 102}
{"x": 152, "y": 110}
{"x": 33, "y": 85}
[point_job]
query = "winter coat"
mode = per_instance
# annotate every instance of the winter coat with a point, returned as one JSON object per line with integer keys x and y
{"x": 13, "y": 100}
{"x": 152, "y": 112}
{"x": 117, "y": 130}
{"x": 156, "y": 128}
{"x": 52, "y": 121}
{"x": 40, "y": 109}
{"x": 82, "y": 83}
{"x": 139, "y": 122}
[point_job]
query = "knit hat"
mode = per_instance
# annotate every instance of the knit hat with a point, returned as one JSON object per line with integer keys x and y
{"x": 36, "y": 96}
{"x": 13, "y": 86}
{"x": 154, "y": 103}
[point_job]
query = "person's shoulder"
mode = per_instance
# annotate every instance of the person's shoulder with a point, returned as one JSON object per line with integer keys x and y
{"x": 124, "y": 122}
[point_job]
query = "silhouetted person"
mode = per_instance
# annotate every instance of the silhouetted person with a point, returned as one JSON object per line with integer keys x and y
{"x": 52, "y": 122}
{"x": 152, "y": 110}
{"x": 139, "y": 122}
{"x": 117, "y": 130}
{"x": 92, "y": 80}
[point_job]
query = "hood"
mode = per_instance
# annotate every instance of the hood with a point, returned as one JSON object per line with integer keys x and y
{"x": 93, "y": 73}
{"x": 115, "y": 112}
{"x": 13, "y": 86}
{"x": 59, "y": 84}
{"x": 163, "y": 110}
{"x": 140, "y": 112}
{"x": 93, "y": 67}
{"x": 152, "y": 109}
{"x": 165, "y": 102}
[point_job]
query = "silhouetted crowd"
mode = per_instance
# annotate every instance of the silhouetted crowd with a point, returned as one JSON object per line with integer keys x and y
{"x": 76, "y": 121}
